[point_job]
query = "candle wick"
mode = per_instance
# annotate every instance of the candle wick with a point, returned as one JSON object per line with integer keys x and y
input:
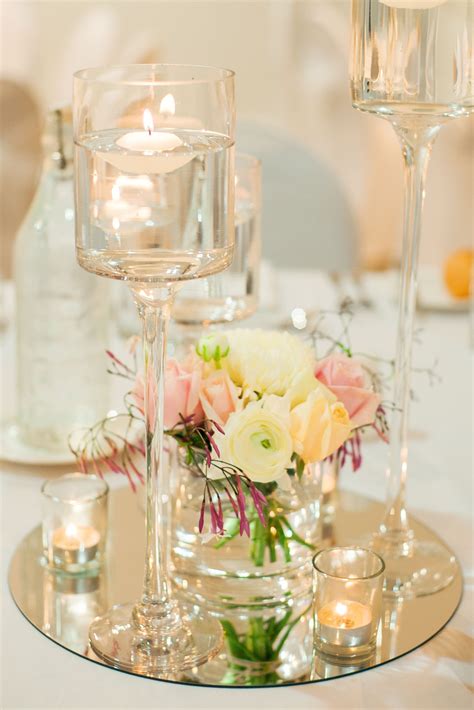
{"x": 149, "y": 131}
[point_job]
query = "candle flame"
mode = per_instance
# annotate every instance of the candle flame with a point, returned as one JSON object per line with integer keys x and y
{"x": 341, "y": 608}
{"x": 116, "y": 193}
{"x": 148, "y": 124}
{"x": 71, "y": 530}
{"x": 168, "y": 105}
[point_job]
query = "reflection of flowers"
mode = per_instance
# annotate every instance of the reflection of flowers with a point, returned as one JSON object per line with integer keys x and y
{"x": 254, "y": 654}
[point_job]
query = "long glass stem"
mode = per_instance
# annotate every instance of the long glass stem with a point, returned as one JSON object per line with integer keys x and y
{"x": 154, "y": 309}
{"x": 416, "y": 147}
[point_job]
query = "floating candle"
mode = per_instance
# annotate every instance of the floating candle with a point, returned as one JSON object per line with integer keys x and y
{"x": 149, "y": 151}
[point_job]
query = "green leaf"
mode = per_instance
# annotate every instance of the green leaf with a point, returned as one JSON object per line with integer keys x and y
{"x": 236, "y": 647}
{"x": 281, "y": 624}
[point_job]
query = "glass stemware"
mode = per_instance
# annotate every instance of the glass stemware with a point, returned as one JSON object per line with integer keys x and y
{"x": 155, "y": 207}
{"x": 412, "y": 65}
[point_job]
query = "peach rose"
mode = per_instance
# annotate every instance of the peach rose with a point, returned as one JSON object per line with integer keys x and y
{"x": 346, "y": 378}
{"x": 219, "y": 396}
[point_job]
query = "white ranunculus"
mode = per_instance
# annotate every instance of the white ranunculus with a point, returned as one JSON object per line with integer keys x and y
{"x": 258, "y": 441}
{"x": 271, "y": 362}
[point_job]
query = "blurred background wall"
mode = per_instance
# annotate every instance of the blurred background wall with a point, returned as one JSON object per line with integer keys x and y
{"x": 332, "y": 176}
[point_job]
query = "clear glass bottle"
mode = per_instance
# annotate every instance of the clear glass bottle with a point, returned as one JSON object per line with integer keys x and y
{"x": 61, "y": 310}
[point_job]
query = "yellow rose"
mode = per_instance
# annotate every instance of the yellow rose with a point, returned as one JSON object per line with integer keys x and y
{"x": 258, "y": 442}
{"x": 319, "y": 426}
{"x": 341, "y": 427}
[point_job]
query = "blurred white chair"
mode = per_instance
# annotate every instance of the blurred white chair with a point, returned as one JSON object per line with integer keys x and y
{"x": 306, "y": 217}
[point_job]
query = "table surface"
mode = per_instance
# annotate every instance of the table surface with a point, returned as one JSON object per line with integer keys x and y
{"x": 36, "y": 673}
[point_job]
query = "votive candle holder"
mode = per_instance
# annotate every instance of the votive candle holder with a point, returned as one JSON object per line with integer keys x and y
{"x": 347, "y": 602}
{"x": 74, "y": 522}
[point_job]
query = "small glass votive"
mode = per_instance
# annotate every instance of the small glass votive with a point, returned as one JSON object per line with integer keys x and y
{"x": 74, "y": 522}
{"x": 347, "y": 602}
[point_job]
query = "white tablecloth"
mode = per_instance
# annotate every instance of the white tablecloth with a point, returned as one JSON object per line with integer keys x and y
{"x": 36, "y": 673}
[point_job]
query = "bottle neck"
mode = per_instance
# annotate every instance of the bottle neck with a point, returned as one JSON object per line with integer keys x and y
{"x": 57, "y": 145}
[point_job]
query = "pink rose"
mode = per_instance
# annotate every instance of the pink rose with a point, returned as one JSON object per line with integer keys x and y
{"x": 182, "y": 386}
{"x": 219, "y": 396}
{"x": 346, "y": 378}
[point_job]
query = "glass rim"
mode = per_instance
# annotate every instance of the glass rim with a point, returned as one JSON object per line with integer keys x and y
{"x": 95, "y": 75}
{"x": 349, "y": 547}
{"x": 76, "y": 474}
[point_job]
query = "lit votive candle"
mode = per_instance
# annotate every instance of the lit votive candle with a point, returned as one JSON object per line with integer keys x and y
{"x": 345, "y": 623}
{"x": 347, "y": 602}
{"x": 75, "y": 544}
{"x": 74, "y": 522}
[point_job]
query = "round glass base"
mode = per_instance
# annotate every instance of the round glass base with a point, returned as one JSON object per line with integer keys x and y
{"x": 62, "y": 607}
{"x": 415, "y": 568}
{"x": 116, "y": 639}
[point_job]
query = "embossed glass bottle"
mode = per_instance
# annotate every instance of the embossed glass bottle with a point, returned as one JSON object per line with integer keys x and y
{"x": 61, "y": 311}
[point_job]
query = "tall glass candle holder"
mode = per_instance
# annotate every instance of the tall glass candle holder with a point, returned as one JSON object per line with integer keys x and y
{"x": 74, "y": 522}
{"x": 412, "y": 66}
{"x": 347, "y": 602}
{"x": 154, "y": 168}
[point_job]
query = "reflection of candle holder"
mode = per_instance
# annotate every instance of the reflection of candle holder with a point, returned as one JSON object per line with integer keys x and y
{"x": 74, "y": 522}
{"x": 347, "y": 602}
{"x": 324, "y": 668}
{"x": 71, "y": 602}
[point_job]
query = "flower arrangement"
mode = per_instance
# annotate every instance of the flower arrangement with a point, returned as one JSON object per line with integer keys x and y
{"x": 249, "y": 410}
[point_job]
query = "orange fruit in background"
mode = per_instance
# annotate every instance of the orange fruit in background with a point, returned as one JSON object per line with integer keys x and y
{"x": 458, "y": 269}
